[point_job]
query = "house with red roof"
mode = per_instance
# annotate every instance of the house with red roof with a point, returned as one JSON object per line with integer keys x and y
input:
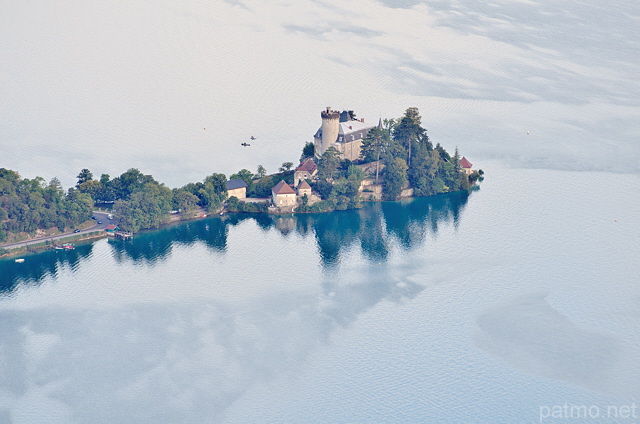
{"x": 283, "y": 195}
{"x": 305, "y": 171}
{"x": 304, "y": 188}
{"x": 111, "y": 229}
{"x": 466, "y": 165}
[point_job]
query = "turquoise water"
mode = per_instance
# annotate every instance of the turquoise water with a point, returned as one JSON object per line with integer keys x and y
{"x": 479, "y": 308}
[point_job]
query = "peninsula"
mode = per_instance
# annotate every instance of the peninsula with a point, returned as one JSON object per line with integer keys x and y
{"x": 348, "y": 162}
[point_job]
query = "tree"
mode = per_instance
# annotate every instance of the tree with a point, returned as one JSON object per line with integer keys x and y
{"x": 262, "y": 188}
{"x": 129, "y": 182}
{"x": 83, "y": 176}
{"x": 374, "y": 144}
{"x": 184, "y": 201}
{"x": 308, "y": 151}
{"x": 395, "y": 178}
{"x": 93, "y": 188}
{"x": 245, "y": 175}
{"x": 409, "y": 132}
{"x": 328, "y": 163}
{"x": 146, "y": 208}
{"x": 213, "y": 191}
{"x": 261, "y": 172}
{"x": 286, "y": 166}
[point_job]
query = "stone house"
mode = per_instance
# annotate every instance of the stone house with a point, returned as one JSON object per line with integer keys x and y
{"x": 283, "y": 195}
{"x": 236, "y": 187}
{"x": 305, "y": 171}
{"x": 304, "y": 188}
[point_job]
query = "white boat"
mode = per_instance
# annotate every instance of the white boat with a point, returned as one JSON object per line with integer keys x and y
{"x": 20, "y": 260}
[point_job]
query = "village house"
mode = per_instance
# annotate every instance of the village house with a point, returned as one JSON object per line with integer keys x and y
{"x": 304, "y": 188}
{"x": 283, "y": 195}
{"x": 305, "y": 171}
{"x": 341, "y": 131}
{"x": 237, "y": 187}
{"x": 466, "y": 166}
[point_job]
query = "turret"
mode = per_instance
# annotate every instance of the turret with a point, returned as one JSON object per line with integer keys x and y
{"x": 330, "y": 128}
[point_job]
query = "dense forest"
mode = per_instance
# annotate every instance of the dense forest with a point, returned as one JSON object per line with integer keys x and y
{"x": 29, "y": 205}
{"x": 403, "y": 152}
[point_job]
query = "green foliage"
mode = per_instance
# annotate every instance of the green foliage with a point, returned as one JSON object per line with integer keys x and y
{"x": 244, "y": 175}
{"x": 129, "y": 182}
{"x": 374, "y": 145}
{"x": 261, "y": 172}
{"x": 84, "y": 176}
{"x": 262, "y": 188}
{"x": 328, "y": 163}
{"x": 286, "y": 167}
{"x": 324, "y": 188}
{"x": 145, "y": 208}
{"x": 308, "y": 151}
{"x": 184, "y": 201}
{"x": 395, "y": 178}
{"x": 234, "y": 205}
{"x": 28, "y": 205}
{"x": 322, "y": 206}
{"x": 93, "y": 188}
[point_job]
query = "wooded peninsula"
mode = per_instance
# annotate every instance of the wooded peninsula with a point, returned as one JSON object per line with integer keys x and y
{"x": 393, "y": 159}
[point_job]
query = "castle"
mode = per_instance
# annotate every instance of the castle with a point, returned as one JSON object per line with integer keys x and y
{"x": 341, "y": 131}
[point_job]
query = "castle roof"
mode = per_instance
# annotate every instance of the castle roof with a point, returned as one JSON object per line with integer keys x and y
{"x": 304, "y": 185}
{"x": 282, "y": 188}
{"x": 349, "y": 127}
{"x": 235, "y": 183}
{"x": 308, "y": 165}
{"x": 464, "y": 162}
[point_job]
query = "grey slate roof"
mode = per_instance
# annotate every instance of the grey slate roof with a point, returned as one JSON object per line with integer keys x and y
{"x": 236, "y": 183}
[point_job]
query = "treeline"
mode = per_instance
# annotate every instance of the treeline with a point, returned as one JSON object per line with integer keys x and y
{"x": 405, "y": 157}
{"x": 139, "y": 201}
{"x": 29, "y": 205}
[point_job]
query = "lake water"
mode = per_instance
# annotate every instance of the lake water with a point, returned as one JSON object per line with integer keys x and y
{"x": 478, "y": 309}
{"x": 515, "y": 304}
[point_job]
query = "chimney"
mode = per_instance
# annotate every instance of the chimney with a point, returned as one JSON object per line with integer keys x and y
{"x": 350, "y": 127}
{"x": 362, "y": 120}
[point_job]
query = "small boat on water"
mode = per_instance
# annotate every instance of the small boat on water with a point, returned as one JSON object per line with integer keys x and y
{"x": 68, "y": 246}
{"x": 19, "y": 260}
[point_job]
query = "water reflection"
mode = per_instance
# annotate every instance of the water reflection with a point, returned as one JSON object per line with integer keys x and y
{"x": 38, "y": 266}
{"x": 189, "y": 361}
{"x": 374, "y": 228}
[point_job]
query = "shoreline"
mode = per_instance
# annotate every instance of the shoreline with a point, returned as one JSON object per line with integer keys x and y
{"x": 32, "y": 245}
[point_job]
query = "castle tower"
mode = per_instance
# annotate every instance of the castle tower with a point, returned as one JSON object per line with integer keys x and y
{"x": 330, "y": 128}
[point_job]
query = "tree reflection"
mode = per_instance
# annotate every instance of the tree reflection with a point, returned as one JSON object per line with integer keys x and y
{"x": 38, "y": 266}
{"x": 375, "y": 228}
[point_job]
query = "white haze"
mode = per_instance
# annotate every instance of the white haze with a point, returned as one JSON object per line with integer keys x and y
{"x": 114, "y": 85}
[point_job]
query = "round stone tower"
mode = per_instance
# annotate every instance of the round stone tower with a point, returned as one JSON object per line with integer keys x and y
{"x": 330, "y": 129}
